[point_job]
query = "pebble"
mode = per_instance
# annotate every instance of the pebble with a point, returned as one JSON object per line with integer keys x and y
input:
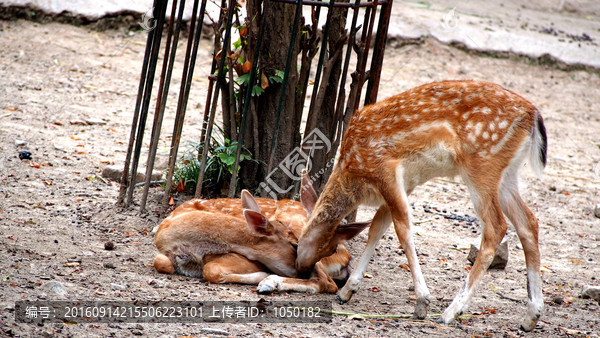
{"x": 500, "y": 258}
{"x": 116, "y": 286}
{"x": 597, "y": 211}
{"x": 109, "y": 265}
{"x": 25, "y": 155}
{"x": 20, "y": 143}
{"x": 55, "y": 287}
{"x": 93, "y": 121}
{"x": 114, "y": 173}
{"x": 109, "y": 246}
{"x": 590, "y": 291}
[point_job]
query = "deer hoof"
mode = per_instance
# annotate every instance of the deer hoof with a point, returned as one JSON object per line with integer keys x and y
{"x": 269, "y": 284}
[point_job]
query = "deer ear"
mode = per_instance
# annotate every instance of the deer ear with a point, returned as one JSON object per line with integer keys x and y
{"x": 248, "y": 201}
{"x": 258, "y": 223}
{"x": 308, "y": 195}
{"x": 345, "y": 232}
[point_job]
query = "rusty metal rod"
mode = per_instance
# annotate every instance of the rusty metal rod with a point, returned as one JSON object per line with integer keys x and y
{"x": 146, "y": 101}
{"x": 284, "y": 84}
{"x": 378, "y": 53}
{"x": 136, "y": 113}
{"x": 220, "y": 78}
{"x": 247, "y": 101}
{"x": 161, "y": 101}
{"x": 339, "y": 4}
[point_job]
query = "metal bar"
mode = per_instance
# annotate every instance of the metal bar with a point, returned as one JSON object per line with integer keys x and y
{"x": 220, "y": 77}
{"x": 186, "y": 79}
{"x": 147, "y": 95}
{"x": 136, "y": 113}
{"x": 161, "y": 101}
{"x": 342, "y": 92}
{"x": 367, "y": 44}
{"x": 311, "y": 120}
{"x": 284, "y": 84}
{"x": 322, "y": 3}
{"x": 378, "y": 53}
{"x": 211, "y": 82}
{"x": 242, "y": 134}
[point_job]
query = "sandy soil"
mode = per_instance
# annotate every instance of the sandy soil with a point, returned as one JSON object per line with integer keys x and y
{"x": 55, "y": 209}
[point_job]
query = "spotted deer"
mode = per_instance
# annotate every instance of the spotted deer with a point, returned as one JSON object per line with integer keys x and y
{"x": 479, "y": 131}
{"x": 243, "y": 240}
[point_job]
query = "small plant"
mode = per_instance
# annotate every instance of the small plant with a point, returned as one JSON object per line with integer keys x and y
{"x": 219, "y": 166}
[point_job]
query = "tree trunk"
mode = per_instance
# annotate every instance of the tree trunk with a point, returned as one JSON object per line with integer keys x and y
{"x": 324, "y": 117}
{"x": 278, "y": 21}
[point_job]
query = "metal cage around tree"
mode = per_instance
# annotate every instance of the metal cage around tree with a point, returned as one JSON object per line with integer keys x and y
{"x": 332, "y": 51}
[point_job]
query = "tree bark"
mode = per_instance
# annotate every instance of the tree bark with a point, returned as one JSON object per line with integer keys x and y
{"x": 278, "y": 21}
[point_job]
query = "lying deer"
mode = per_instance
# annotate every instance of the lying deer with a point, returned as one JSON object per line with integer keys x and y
{"x": 477, "y": 130}
{"x": 232, "y": 241}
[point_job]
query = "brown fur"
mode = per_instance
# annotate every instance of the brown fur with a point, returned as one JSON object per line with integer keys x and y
{"x": 467, "y": 128}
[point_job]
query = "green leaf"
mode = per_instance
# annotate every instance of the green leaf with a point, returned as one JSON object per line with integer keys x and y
{"x": 237, "y": 44}
{"x": 226, "y": 158}
{"x": 243, "y": 79}
{"x": 257, "y": 91}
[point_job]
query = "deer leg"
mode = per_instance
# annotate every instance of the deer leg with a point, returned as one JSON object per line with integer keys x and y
{"x": 494, "y": 228}
{"x": 233, "y": 268}
{"x": 379, "y": 225}
{"x": 320, "y": 282}
{"x": 526, "y": 225}
{"x": 398, "y": 203}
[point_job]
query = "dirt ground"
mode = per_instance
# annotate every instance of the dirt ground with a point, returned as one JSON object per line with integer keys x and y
{"x": 55, "y": 210}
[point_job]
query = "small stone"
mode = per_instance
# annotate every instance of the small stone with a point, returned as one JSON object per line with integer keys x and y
{"x": 500, "y": 258}
{"x": 137, "y": 332}
{"x": 55, "y": 288}
{"x": 590, "y": 291}
{"x": 109, "y": 246}
{"x": 109, "y": 265}
{"x": 93, "y": 121}
{"x": 557, "y": 300}
{"x": 116, "y": 286}
{"x": 25, "y": 155}
{"x": 597, "y": 211}
{"x": 115, "y": 172}
{"x": 20, "y": 143}
{"x": 59, "y": 148}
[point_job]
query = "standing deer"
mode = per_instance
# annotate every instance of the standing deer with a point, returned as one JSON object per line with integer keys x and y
{"x": 477, "y": 130}
{"x": 232, "y": 241}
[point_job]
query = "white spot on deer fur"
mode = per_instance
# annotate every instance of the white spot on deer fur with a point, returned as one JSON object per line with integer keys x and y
{"x": 503, "y": 124}
{"x": 426, "y": 110}
{"x": 435, "y": 108}
{"x": 465, "y": 115}
{"x": 456, "y": 101}
{"x": 485, "y": 135}
{"x": 357, "y": 158}
{"x": 492, "y": 126}
{"x": 494, "y": 137}
{"x": 486, "y": 110}
{"x": 472, "y": 138}
{"x": 478, "y": 128}
{"x": 505, "y": 139}
{"x": 420, "y": 103}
